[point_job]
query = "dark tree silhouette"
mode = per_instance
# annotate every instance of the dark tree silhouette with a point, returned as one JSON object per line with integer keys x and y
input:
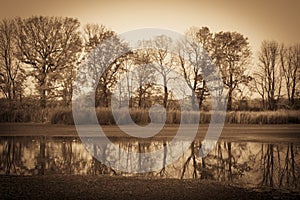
{"x": 11, "y": 74}
{"x": 161, "y": 56}
{"x": 231, "y": 53}
{"x": 290, "y": 63}
{"x": 269, "y": 77}
{"x": 192, "y": 60}
{"x": 48, "y": 45}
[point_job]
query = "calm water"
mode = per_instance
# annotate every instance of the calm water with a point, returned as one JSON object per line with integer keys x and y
{"x": 247, "y": 164}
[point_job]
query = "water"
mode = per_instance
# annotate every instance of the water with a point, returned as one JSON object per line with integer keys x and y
{"x": 246, "y": 164}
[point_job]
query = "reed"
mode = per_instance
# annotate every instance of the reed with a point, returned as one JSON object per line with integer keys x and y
{"x": 139, "y": 116}
{"x": 61, "y": 115}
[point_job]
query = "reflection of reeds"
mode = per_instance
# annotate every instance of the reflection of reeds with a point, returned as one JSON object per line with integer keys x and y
{"x": 140, "y": 116}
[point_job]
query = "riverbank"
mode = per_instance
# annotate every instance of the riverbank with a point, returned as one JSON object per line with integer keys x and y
{"x": 233, "y": 132}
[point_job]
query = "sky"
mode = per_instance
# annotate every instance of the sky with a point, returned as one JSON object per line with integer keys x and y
{"x": 256, "y": 19}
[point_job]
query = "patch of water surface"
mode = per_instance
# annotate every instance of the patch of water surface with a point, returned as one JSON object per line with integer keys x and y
{"x": 246, "y": 164}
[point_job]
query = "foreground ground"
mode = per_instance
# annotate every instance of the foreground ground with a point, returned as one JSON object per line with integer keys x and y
{"x": 104, "y": 187}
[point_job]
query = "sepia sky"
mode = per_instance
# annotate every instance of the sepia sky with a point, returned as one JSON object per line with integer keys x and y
{"x": 256, "y": 19}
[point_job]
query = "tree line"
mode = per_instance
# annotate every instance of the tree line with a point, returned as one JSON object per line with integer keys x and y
{"x": 46, "y": 52}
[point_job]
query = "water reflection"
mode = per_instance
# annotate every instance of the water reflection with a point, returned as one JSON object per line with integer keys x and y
{"x": 242, "y": 163}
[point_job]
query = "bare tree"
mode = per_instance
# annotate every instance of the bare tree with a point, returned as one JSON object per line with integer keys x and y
{"x": 133, "y": 79}
{"x": 290, "y": 63}
{"x": 68, "y": 75}
{"x": 105, "y": 54}
{"x": 269, "y": 75}
{"x": 128, "y": 65}
{"x": 258, "y": 85}
{"x": 193, "y": 60}
{"x": 231, "y": 53}
{"x": 48, "y": 45}
{"x": 144, "y": 75}
{"x": 94, "y": 34}
{"x": 11, "y": 74}
{"x": 203, "y": 36}
{"x": 163, "y": 61}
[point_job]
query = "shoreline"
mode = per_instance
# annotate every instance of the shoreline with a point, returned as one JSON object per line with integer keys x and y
{"x": 255, "y": 133}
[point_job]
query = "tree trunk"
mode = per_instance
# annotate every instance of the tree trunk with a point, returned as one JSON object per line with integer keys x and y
{"x": 193, "y": 101}
{"x": 43, "y": 98}
{"x": 43, "y": 88}
{"x": 105, "y": 97}
{"x": 140, "y": 97}
{"x": 293, "y": 90}
{"x": 229, "y": 102}
{"x": 165, "y": 96}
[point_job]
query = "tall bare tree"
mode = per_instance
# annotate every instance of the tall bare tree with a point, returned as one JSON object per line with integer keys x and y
{"x": 143, "y": 76}
{"x": 258, "y": 85}
{"x": 162, "y": 59}
{"x": 48, "y": 45}
{"x": 193, "y": 60}
{"x": 11, "y": 74}
{"x": 290, "y": 63}
{"x": 268, "y": 74}
{"x": 231, "y": 53}
{"x": 203, "y": 36}
{"x": 105, "y": 52}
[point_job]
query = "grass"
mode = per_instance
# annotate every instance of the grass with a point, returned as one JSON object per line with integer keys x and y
{"x": 62, "y": 115}
{"x": 105, "y": 117}
{"x": 264, "y": 117}
{"x": 28, "y": 114}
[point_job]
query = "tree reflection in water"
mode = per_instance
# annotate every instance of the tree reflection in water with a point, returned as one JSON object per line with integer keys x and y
{"x": 278, "y": 165}
{"x": 255, "y": 164}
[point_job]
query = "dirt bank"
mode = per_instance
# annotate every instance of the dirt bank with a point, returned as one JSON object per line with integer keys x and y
{"x": 258, "y": 133}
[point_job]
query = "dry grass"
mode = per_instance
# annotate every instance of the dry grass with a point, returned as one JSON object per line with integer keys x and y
{"x": 105, "y": 117}
{"x": 264, "y": 117}
{"x": 29, "y": 114}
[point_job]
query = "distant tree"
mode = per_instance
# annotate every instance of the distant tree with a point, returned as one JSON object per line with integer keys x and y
{"x": 143, "y": 76}
{"x": 66, "y": 81}
{"x": 48, "y": 45}
{"x": 160, "y": 53}
{"x": 231, "y": 53}
{"x": 105, "y": 52}
{"x": 258, "y": 85}
{"x": 193, "y": 60}
{"x": 268, "y": 75}
{"x": 128, "y": 66}
{"x": 11, "y": 74}
{"x": 202, "y": 36}
{"x": 290, "y": 63}
{"x": 94, "y": 34}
